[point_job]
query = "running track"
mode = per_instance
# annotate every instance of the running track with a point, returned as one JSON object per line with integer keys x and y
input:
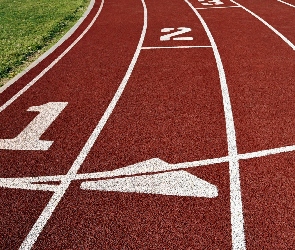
{"x": 156, "y": 125}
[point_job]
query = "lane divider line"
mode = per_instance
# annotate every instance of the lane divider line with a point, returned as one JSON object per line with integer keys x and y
{"x": 178, "y": 47}
{"x": 58, "y": 194}
{"x": 52, "y": 49}
{"x": 285, "y": 39}
{"x": 65, "y": 183}
{"x": 291, "y": 5}
{"x": 234, "y": 6}
{"x": 236, "y": 207}
{"x": 41, "y": 74}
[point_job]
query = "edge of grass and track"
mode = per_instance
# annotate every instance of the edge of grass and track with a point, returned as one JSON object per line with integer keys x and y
{"x": 61, "y": 29}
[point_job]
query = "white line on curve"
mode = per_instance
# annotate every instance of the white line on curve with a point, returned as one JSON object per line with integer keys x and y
{"x": 285, "y": 39}
{"x": 237, "y": 220}
{"x": 31, "y": 83}
{"x": 178, "y": 47}
{"x": 57, "y": 196}
{"x": 291, "y": 5}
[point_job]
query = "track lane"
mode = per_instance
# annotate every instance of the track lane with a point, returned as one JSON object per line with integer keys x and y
{"x": 261, "y": 87}
{"x": 88, "y": 86}
{"x": 129, "y": 138}
{"x": 148, "y": 122}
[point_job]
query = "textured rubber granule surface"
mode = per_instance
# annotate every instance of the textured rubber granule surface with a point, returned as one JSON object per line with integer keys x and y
{"x": 173, "y": 128}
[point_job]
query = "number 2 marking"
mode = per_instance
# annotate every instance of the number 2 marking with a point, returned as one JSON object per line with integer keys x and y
{"x": 181, "y": 30}
{"x": 28, "y": 139}
{"x": 212, "y": 2}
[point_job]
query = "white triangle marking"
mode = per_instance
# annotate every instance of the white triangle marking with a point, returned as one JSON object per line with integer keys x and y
{"x": 179, "y": 183}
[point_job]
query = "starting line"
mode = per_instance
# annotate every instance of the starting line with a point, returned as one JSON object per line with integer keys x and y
{"x": 142, "y": 177}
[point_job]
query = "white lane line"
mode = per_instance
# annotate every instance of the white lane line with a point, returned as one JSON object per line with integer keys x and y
{"x": 237, "y": 220}
{"x": 31, "y": 83}
{"x": 234, "y": 6}
{"x": 267, "y": 152}
{"x": 150, "y": 166}
{"x": 53, "y": 48}
{"x": 291, "y": 5}
{"x": 285, "y": 39}
{"x": 62, "y": 188}
{"x": 178, "y": 47}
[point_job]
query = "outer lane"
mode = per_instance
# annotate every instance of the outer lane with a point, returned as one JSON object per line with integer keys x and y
{"x": 87, "y": 79}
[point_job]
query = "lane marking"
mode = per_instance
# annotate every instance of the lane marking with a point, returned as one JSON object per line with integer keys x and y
{"x": 225, "y": 7}
{"x": 237, "y": 220}
{"x": 291, "y": 5}
{"x": 141, "y": 168}
{"x": 177, "y": 47}
{"x": 31, "y": 83}
{"x": 285, "y": 39}
{"x": 150, "y": 166}
{"x": 62, "y": 188}
{"x": 29, "y": 138}
{"x": 52, "y": 49}
{"x": 175, "y": 35}
{"x": 211, "y": 2}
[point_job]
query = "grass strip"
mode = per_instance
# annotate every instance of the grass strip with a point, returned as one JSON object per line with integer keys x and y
{"x": 30, "y": 27}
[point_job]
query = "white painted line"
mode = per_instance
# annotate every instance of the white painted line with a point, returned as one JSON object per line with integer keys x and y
{"x": 234, "y": 6}
{"x": 154, "y": 165}
{"x": 30, "y": 84}
{"x": 62, "y": 188}
{"x": 53, "y": 48}
{"x": 285, "y": 39}
{"x": 177, "y": 47}
{"x": 48, "y": 210}
{"x": 237, "y": 220}
{"x": 291, "y": 5}
{"x": 267, "y": 152}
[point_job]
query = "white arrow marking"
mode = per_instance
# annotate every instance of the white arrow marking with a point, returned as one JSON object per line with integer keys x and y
{"x": 179, "y": 183}
{"x": 28, "y": 139}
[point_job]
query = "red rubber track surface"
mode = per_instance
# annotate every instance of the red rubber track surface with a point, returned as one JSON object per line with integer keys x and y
{"x": 172, "y": 108}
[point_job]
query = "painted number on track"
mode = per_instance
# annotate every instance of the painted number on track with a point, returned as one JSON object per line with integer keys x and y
{"x": 28, "y": 139}
{"x": 175, "y": 34}
{"x": 211, "y": 2}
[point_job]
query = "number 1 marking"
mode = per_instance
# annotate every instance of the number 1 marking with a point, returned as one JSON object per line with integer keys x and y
{"x": 28, "y": 139}
{"x": 181, "y": 30}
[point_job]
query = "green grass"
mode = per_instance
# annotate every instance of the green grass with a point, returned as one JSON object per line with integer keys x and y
{"x": 30, "y": 27}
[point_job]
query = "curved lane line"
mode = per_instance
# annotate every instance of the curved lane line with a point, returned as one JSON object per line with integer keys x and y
{"x": 237, "y": 220}
{"x": 291, "y": 5}
{"x": 52, "y": 49}
{"x": 62, "y": 188}
{"x": 44, "y": 71}
{"x": 285, "y": 39}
